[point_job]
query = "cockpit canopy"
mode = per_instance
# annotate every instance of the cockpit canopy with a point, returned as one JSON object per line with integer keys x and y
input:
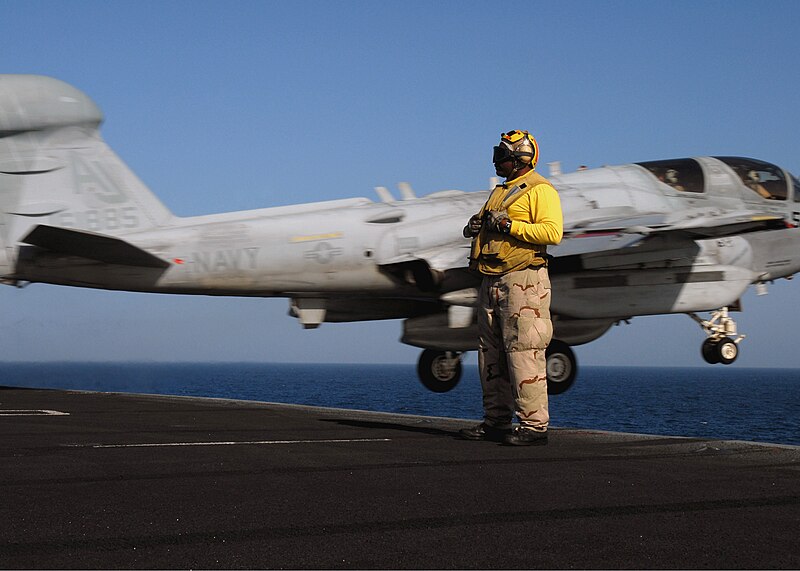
{"x": 765, "y": 179}
{"x": 684, "y": 175}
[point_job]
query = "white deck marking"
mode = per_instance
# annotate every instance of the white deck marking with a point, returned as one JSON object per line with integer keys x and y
{"x": 33, "y": 413}
{"x": 231, "y": 443}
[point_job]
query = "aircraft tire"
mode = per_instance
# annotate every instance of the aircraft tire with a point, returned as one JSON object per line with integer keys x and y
{"x": 727, "y": 351}
{"x": 562, "y": 367}
{"x": 709, "y": 351}
{"x": 439, "y": 371}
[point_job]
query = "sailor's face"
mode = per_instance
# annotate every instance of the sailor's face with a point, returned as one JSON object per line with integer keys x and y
{"x": 504, "y": 168}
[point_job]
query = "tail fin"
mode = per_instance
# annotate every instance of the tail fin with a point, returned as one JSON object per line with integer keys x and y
{"x": 55, "y": 169}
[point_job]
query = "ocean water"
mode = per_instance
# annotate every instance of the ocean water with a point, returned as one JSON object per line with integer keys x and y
{"x": 714, "y": 402}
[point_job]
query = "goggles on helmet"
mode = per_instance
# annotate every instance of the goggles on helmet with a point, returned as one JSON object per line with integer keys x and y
{"x": 502, "y": 154}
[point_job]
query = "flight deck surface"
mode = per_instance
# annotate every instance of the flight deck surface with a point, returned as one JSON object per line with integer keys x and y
{"x": 98, "y": 480}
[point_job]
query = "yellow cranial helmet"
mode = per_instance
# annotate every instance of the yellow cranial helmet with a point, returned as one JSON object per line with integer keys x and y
{"x": 519, "y": 146}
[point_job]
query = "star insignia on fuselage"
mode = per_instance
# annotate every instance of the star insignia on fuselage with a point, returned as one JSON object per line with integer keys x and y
{"x": 323, "y": 253}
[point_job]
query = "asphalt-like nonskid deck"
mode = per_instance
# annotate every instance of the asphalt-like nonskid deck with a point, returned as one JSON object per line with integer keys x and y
{"x": 130, "y": 481}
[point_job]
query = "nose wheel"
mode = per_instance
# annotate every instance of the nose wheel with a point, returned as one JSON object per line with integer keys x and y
{"x": 722, "y": 345}
{"x": 724, "y": 350}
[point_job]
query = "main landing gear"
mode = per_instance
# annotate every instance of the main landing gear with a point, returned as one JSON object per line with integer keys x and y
{"x": 440, "y": 371}
{"x": 562, "y": 367}
{"x": 722, "y": 345}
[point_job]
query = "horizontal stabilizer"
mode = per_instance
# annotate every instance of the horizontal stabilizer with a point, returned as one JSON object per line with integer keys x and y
{"x": 93, "y": 246}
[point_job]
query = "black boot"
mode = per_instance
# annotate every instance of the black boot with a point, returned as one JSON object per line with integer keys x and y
{"x": 526, "y": 437}
{"x": 485, "y": 432}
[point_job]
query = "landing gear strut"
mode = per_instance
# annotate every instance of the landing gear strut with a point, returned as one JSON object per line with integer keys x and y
{"x": 722, "y": 345}
{"x": 439, "y": 371}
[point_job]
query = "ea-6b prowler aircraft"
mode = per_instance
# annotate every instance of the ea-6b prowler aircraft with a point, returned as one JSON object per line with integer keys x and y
{"x": 670, "y": 236}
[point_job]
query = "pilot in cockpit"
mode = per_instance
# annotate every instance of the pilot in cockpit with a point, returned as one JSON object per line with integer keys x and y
{"x": 671, "y": 178}
{"x": 753, "y": 182}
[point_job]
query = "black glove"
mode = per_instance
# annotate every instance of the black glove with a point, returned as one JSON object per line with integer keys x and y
{"x": 473, "y": 227}
{"x": 498, "y": 221}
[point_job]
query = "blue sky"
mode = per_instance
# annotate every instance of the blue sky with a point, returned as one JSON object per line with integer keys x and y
{"x": 223, "y": 106}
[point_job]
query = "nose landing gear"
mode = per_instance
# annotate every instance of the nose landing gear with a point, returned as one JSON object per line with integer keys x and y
{"x": 722, "y": 345}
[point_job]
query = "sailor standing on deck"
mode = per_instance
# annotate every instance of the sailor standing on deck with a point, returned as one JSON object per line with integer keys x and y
{"x": 509, "y": 248}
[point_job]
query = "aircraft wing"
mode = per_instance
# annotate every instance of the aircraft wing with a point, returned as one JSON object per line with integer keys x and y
{"x": 92, "y": 246}
{"x": 614, "y": 234}
{"x": 444, "y": 257}
{"x": 586, "y": 237}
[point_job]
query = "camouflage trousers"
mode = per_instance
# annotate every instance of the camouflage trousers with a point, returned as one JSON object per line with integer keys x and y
{"x": 514, "y": 327}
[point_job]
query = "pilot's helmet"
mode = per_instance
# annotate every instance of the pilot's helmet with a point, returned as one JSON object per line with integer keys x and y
{"x": 519, "y": 146}
{"x": 672, "y": 176}
{"x": 753, "y": 176}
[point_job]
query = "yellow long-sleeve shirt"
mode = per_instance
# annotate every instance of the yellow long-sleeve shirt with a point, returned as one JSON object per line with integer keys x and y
{"x": 536, "y": 217}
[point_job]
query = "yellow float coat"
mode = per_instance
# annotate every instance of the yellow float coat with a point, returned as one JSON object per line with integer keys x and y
{"x": 534, "y": 208}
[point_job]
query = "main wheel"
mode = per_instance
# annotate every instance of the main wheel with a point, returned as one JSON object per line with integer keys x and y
{"x": 439, "y": 371}
{"x": 562, "y": 367}
{"x": 709, "y": 351}
{"x": 727, "y": 351}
